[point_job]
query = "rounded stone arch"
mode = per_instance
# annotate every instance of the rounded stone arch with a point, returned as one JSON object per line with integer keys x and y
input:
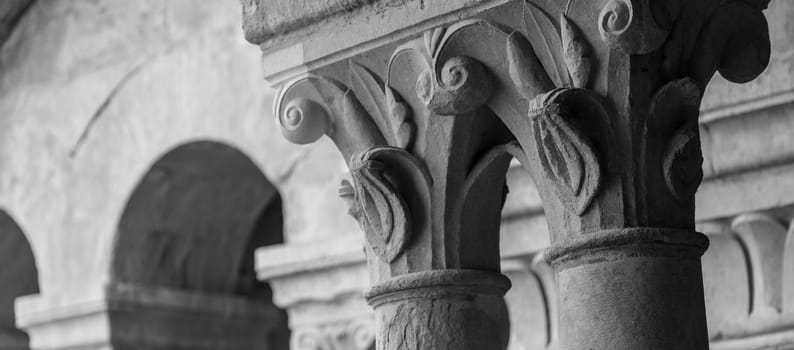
{"x": 194, "y": 220}
{"x": 18, "y": 277}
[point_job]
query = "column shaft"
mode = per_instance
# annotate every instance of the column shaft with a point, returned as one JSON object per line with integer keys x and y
{"x": 635, "y": 288}
{"x": 443, "y": 310}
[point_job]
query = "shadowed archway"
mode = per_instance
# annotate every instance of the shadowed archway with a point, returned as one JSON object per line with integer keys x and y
{"x": 18, "y": 277}
{"x": 193, "y": 223}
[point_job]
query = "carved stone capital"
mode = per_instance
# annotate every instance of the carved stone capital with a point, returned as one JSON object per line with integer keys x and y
{"x": 547, "y": 84}
{"x": 427, "y": 163}
{"x": 423, "y": 150}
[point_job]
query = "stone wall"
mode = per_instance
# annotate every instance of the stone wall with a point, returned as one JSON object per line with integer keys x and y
{"x": 94, "y": 92}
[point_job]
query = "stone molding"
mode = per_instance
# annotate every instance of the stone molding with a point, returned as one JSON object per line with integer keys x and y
{"x": 269, "y": 22}
{"x": 623, "y": 243}
{"x": 749, "y": 277}
{"x": 142, "y": 317}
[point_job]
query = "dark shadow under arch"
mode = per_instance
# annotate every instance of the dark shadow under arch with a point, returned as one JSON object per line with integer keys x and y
{"x": 18, "y": 277}
{"x": 191, "y": 220}
{"x": 194, "y": 221}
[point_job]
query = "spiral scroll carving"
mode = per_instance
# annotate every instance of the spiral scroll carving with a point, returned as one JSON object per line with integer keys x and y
{"x": 629, "y": 26}
{"x": 303, "y": 121}
{"x": 461, "y": 85}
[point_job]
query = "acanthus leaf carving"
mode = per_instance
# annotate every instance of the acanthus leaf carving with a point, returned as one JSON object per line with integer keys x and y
{"x": 526, "y": 71}
{"x": 567, "y": 157}
{"x": 545, "y": 36}
{"x": 629, "y": 26}
{"x": 681, "y": 163}
{"x": 673, "y": 113}
{"x": 381, "y": 205}
{"x": 576, "y": 53}
{"x": 384, "y": 105}
{"x": 433, "y": 39}
{"x": 403, "y": 128}
{"x": 384, "y": 215}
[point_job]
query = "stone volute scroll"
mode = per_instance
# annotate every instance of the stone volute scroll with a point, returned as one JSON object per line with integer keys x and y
{"x": 598, "y": 100}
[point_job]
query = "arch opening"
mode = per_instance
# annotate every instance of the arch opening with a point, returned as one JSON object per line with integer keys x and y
{"x": 193, "y": 223}
{"x": 18, "y": 277}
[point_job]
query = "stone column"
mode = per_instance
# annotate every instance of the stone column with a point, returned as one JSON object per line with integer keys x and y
{"x": 611, "y": 138}
{"x": 427, "y": 171}
{"x": 599, "y": 100}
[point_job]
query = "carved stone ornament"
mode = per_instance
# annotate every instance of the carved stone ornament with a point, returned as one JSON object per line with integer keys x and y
{"x": 598, "y": 100}
{"x": 676, "y": 105}
{"x": 380, "y": 208}
{"x": 629, "y": 26}
{"x": 358, "y": 334}
{"x": 566, "y": 156}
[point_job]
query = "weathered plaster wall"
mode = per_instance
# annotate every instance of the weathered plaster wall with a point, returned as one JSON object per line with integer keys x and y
{"x": 93, "y": 92}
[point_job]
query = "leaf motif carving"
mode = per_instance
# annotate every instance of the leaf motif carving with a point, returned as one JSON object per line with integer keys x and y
{"x": 567, "y": 158}
{"x": 576, "y": 53}
{"x": 682, "y": 163}
{"x": 545, "y": 37}
{"x": 673, "y": 113}
{"x": 403, "y": 128}
{"x": 526, "y": 71}
{"x": 390, "y": 113}
{"x": 370, "y": 93}
{"x": 390, "y": 198}
{"x": 433, "y": 39}
{"x": 382, "y": 211}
